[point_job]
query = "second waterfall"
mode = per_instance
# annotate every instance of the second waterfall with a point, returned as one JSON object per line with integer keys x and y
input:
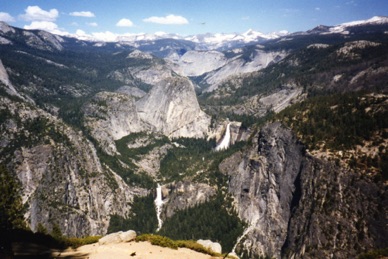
{"x": 158, "y": 204}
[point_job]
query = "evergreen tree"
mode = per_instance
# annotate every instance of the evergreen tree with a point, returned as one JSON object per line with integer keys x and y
{"x": 11, "y": 210}
{"x": 11, "y": 207}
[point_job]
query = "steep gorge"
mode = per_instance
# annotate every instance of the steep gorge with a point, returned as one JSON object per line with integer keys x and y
{"x": 299, "y": 206}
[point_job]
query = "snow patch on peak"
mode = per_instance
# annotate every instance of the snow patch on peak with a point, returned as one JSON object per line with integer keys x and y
{"x": 219, "y": 40}
{"x": 341, "y": 28}
{"x": 373, "y": 20}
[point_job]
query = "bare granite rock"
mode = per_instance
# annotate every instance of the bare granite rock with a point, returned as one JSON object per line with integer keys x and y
{"x": 117, "y": 237}
{"x": 299, "y": 206}
{"x": 171, "y": 108}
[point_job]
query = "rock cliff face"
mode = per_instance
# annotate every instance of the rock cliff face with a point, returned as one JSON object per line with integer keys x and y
{"x": 171, "y": 108}
{"x": 62, "y": 178}
{"x": 299, "y": 206}
{"x": 111, "y": 116}
{"x": 183, "y": 195}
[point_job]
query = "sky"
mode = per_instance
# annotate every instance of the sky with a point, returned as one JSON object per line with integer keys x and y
{"x": 107, "y": 19}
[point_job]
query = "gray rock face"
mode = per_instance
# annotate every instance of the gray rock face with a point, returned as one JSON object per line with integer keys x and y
{"x": 276, "y": 102}
{"x": 132, "y": 91}
{"x": 298, "y": 206}
{"x": 118, "y": 237}
{"x": 171, "y": 108}
{"x": 150, "y": 162}
{"x": 182, "y": 195}
{"x": 240, "y": 65}
{"x": 111, "y": 116}
{"x": 237, "y": 133}
{"x": 262, "y": 184}
{"x": 62, "y": 179}
{"x": 6, "y": 83}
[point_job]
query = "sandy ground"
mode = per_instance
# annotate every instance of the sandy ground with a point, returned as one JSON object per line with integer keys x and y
{"x": 138, "y": 250}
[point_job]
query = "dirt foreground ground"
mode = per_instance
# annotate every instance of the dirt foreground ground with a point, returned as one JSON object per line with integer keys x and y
{"x": 136, "y": 250}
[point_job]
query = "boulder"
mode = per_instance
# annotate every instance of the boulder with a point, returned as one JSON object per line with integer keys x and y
{"x": 214, "y": 246}
{"x": 110, "y": 239}
{"x": 127, "y": 236}
{"x": 118, "y": 237}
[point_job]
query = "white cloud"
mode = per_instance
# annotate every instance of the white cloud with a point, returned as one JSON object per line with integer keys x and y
{"x": 80, "y": 33}
{"x": 169, "y": 19}
{"x": 6, "y": 17}
{"x": 46, "y": 26}
{"x": 317, "y": 9}
{"x": 105, "y": 36}
{"x": 124, "y": 23}
{"x": 83, "y": 14}
{"x": 35, "y": 13}
{"x": 93, "y": 24}
{"x": 245, "y": 18}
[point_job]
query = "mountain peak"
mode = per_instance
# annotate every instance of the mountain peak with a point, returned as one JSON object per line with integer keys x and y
{"x": 373, "y": 20}
{"x": 4, "y": 27}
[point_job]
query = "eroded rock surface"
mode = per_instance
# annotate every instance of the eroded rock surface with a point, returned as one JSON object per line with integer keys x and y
{"x": 299, "y": 206}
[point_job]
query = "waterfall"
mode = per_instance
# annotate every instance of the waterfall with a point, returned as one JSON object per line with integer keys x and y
{"x": 246, "y": 231}
{"x": 158, "y": 204}
{"x": 225, "y": 141}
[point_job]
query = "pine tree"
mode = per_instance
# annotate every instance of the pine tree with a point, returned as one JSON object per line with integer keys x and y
{"x": 11, "y": 210}
{"x": 11, "y": 207}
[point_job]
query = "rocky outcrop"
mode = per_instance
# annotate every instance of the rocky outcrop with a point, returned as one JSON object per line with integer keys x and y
{"x": 142, "y": 69}
{"x": 196, "y": 63}
{"x": 63, "y": 181}
{"x": 185, "y": 194}
{"x": 237, "y": 132}
{"x": 150, "y": 162}
{"x": 299, "y": 206}
{"x": 111, "y": 116}
{"x": 171, "y": 108}
{"x": 131, "y": 91}
{"x": 240, "y": 64}
{"x": 118, "y": 237}
{"x": 6, "y": 83}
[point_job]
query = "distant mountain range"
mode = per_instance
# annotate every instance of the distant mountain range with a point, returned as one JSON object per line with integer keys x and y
{"x": 228, "y": 40}
{"x": 215, "y": 41}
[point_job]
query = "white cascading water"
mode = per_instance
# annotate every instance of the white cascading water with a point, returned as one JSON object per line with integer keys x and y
{"x": 246, "y": 231}
{"x": 158, "y": 204}
{"x": 225, "y": 141}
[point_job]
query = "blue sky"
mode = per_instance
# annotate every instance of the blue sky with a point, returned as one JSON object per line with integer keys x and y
{"x": 184, "y": 17}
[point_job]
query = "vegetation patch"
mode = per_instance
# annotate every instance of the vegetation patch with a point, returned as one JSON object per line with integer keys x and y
{"x": 354, "y": 126}
{"x": 196, "y": 159}
{"x": 158, "y": 240}
{"x": 151, "y": 141}
{"x": 142, "y": 218}
{"x": 374, "y": 254}
{"x": 75, "y": 242}
{"x": 212, "y": 220}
